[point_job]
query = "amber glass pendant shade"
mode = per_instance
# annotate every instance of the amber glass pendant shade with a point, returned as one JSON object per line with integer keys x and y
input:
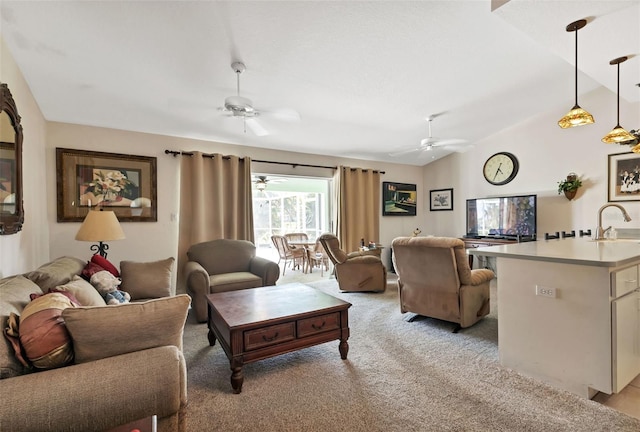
{"x": 618, "y": 134}
{"x": 576, "y": 116}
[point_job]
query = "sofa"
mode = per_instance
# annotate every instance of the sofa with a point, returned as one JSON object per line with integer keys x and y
{"x": 123, "y": 362}
{"x": 225, "y": 265}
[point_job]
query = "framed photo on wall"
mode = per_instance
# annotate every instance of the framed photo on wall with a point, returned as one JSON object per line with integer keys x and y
{"x": 399, "y": 199}
{"x": 125, "y": 184}
{"x": 441, "y": 199}
{"x": 624, "y": 177}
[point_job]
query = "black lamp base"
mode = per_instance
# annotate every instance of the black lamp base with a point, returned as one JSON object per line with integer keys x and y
{"x": 100, "y": 249}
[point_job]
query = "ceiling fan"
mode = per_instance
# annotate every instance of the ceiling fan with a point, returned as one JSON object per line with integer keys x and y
{"x": 261, "y": 181}
{"x": 241, "y": 107}
{"x": 430, "y": 143}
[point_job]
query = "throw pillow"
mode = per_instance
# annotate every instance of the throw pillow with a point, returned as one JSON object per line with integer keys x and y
{"x": 105, "y": 264}
{"x": 86, "y": 294}
{"x": 57, "y": 272}
{"x": 43, "y": 335}
{"x": 147, "y": 280}
{"x": 90, "y": 269}
{"x": 100, "y": 332}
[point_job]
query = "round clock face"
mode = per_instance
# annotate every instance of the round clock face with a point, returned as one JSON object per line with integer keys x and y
{"x": 500, "y": 168}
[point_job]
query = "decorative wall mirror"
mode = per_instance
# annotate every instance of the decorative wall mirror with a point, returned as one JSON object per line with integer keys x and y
{"x": 11, "y": 208}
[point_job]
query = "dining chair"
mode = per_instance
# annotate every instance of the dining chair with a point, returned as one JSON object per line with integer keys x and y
{"x": 293, "y": 255}
{"x": 317, "y": 257}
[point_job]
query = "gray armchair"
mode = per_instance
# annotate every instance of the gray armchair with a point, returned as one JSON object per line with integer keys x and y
{"x": 355, "y": 271}
{"x": 435, "y": 280}
{"x": 225, "y": 265}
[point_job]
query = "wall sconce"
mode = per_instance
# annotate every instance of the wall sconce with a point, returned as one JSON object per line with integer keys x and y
{"x": 100, "y": 226}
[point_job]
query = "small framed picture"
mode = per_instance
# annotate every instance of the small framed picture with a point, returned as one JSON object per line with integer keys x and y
{"x": 399, "y": 199}
{"x": 441, "y": 199}
{"x": 624, "y": 177}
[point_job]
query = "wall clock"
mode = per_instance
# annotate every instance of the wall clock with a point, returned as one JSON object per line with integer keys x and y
{"x": 500, "y": 168}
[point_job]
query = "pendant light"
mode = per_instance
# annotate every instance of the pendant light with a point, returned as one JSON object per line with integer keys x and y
{"x": 618, "y": 134}
{"x": 576, "y": 116}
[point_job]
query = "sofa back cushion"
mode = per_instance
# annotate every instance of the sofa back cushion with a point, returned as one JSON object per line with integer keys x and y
{"x": 57, "y": 272}
{"x": 147, "y": 280}
{"x": 15, "y": 294}
{"x": 105, "y": 331}
{"x": 223, "y": 255}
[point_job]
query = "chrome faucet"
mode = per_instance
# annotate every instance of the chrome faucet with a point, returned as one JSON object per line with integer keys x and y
{"x": 600, "y": 231}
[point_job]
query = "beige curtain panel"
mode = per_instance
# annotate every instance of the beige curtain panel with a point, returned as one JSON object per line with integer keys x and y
{"x": 215, "y": 201}
{"x": 358, "y": 206}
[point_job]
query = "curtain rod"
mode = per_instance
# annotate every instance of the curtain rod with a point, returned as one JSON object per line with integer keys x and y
{"x": 293, "y": 164}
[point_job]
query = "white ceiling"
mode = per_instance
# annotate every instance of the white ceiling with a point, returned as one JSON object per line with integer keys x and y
{"x": 363, "y": 75}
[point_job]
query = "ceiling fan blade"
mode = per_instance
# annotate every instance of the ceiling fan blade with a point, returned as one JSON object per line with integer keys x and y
{"x": 447, "y": 142}
{"x": 285, "y": 114}
{"x": 256, "y": 127}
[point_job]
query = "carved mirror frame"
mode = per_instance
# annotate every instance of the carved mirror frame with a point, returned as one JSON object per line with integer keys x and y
{"x": 11, "y": 221}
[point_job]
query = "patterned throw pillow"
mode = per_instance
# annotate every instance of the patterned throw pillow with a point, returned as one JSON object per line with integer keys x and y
{"x": 43, "y": 334}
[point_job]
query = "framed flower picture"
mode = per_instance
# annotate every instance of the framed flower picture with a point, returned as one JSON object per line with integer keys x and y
{"x": 125, "y": 184}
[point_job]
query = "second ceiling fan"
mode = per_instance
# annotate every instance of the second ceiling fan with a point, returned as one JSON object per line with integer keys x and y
{"x": 431, "y": 142}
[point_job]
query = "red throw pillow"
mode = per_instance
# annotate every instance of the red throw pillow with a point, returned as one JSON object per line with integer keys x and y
{"x": 105, "y": 264}
{"x": 90, "y": 269}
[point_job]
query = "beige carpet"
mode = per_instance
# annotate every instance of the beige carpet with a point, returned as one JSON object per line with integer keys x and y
{"x": 399, "y": 376}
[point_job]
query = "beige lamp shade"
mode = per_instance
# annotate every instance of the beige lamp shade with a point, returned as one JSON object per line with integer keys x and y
{"x": 100, "y": 226}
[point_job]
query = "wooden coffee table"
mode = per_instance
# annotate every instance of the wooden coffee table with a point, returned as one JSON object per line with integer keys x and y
{"x": 258, "y": 323}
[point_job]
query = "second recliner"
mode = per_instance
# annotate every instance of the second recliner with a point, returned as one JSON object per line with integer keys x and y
{"x": 355, "y": 271}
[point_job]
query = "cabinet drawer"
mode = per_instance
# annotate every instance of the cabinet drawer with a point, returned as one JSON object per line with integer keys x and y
{"x": 624, "y": 281}
{"x": 272, "y": 335}
{"x": 318, "y": 324}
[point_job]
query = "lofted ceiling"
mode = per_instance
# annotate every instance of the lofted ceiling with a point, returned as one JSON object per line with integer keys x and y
{"x": 362, "y": 75}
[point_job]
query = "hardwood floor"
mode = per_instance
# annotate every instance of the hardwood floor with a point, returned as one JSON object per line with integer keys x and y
{"x": 627, "y": 401}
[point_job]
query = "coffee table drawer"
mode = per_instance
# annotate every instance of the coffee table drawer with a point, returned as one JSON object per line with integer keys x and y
{"x": 318, "y": 324}
{"x": 254, "y": 339}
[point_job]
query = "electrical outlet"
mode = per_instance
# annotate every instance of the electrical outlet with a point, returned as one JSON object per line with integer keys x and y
{"x": 545, "y": 291}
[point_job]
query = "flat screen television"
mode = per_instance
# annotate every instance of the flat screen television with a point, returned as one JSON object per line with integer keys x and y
{"x": 502, "y": 217}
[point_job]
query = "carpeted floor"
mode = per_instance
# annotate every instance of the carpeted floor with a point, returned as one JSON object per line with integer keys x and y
{"x": 399, "y": 376}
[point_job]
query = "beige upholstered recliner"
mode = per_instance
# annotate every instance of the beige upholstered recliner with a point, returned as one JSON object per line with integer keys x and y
{"x": 225, "y": 265}
{"x": 355, "y": 271}
{"x": 435, "y": 280}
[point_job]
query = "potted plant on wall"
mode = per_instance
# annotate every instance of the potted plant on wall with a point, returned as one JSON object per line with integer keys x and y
{"x": 569, "y": 185}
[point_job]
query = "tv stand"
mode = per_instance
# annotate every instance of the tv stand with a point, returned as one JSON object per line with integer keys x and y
{"x": 483, "y": 241}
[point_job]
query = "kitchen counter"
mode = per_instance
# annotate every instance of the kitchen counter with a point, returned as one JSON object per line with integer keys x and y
{"x": 578, "y": 250}
{"x": 569, "y": 311}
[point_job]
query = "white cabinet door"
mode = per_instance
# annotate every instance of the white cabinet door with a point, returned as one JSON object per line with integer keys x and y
{"x": 626, "y": 339}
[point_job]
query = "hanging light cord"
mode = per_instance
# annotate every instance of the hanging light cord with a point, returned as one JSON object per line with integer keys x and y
{"x": 576, "y": 72}
{"x": 618, "y": 119}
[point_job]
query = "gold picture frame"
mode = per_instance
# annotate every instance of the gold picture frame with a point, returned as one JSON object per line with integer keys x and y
{"x": 125, "y": 184}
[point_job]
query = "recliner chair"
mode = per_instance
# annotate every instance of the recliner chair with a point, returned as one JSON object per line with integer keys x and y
{"x": 225, "y": 265}
{"x": 435, "y": 280}
{"x": 355, "y": 271}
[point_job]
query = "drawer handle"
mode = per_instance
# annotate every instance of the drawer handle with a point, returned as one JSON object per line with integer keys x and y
{"x": 315, "y": 327}
{"x": 266, "y": 339}
{"x": 631, "y": 281}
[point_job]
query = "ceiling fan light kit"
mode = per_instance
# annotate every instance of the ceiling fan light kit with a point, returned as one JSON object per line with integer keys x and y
{"x": 576, "y": 116}
{"x": 618, "y": 134}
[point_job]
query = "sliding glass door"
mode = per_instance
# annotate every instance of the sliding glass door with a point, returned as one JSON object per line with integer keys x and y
{"x": 284, "y": 204}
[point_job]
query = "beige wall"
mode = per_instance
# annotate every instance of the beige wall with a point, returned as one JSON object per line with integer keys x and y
{"x": 30, "y": 247}
{"x": 146, "y": 241}
{"x": 546, "y": 154}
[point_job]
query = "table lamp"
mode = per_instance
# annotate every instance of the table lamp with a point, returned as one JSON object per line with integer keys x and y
{"x": 100, "y": 226}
